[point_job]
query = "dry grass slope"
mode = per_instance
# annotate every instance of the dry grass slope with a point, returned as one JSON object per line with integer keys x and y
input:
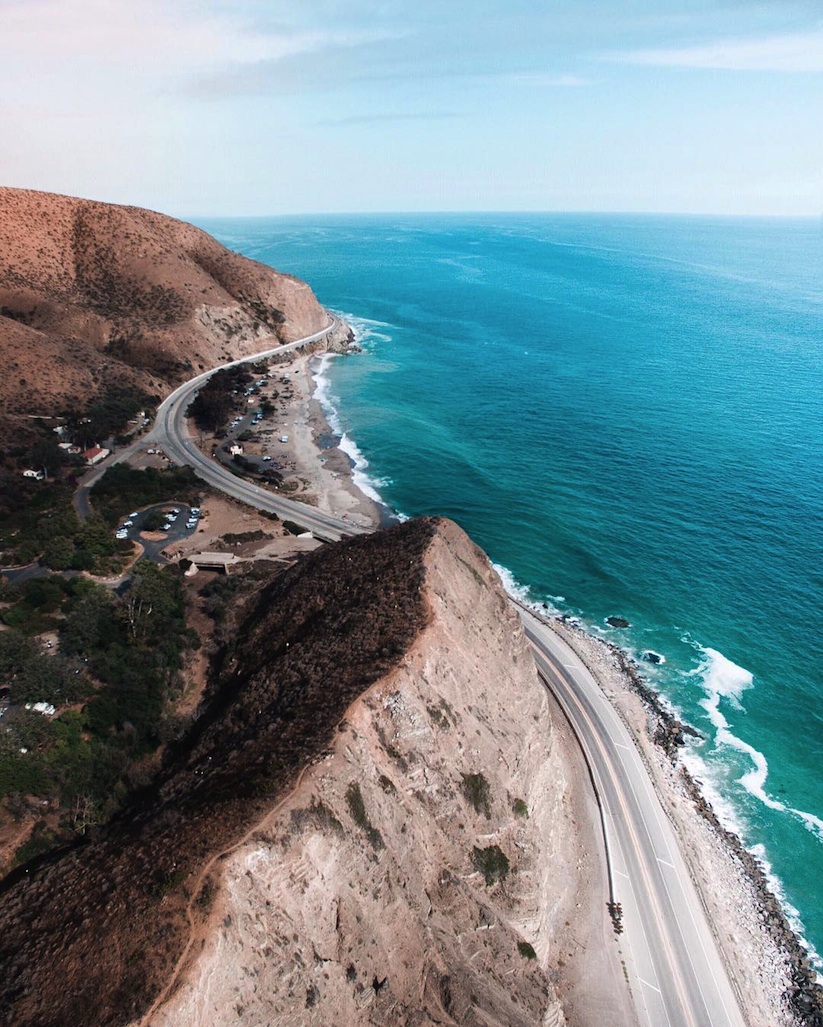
{"x": 94, "y": 294}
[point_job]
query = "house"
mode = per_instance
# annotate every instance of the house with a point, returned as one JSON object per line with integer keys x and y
{"x": 235, "y": 450}
{"x": 95, "y": 455}
{"x": 37, "y": 475}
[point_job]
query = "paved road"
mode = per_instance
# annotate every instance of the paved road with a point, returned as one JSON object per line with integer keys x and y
{"x": 170, "y": 433}
{"x": 677, "y": 976}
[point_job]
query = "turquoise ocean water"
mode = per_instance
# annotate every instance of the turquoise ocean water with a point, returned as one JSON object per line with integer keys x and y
{"x": 626, "y": 413}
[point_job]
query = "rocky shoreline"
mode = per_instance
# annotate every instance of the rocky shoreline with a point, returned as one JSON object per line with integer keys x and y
{"x": 802, "y": 994}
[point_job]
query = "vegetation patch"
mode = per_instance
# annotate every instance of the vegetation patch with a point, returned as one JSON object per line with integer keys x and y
{"x": 520, "y": 808}
{"x": 109, "y": 678}
{"x": 357, "y": 808}
{"x": 526, "y": 950}
{"x": 475, "y": 789}
{"x": 318, "y": 816}
{"x": 122, "y": 489}
{"x": 492, "y": 863}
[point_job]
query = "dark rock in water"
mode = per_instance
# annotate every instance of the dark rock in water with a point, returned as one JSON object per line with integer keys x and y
{"x": 650, "y": 656}
{"x": 618, "y": 622}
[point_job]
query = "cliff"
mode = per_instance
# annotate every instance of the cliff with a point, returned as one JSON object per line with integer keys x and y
{"x": 374, "y": 820}
{"x": 95, "y": 295}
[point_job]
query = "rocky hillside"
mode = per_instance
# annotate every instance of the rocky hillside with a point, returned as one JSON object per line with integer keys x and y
{"x": 375, "y": 820}
{"x": 428, "y": 868}
{"x": 93, "y": 294}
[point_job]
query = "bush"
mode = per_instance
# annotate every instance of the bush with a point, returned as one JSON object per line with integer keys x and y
{"x": 357, "y": 808}
{"x": 475, "y": 790}
{"x": 526, "y": 950}
{"x": 492, "y": 863}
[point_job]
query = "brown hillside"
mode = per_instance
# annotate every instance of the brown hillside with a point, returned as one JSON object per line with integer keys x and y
{"x": 93, "y": 294}
{"x": 375, "y": 820}
{"x": 90, "y": 936}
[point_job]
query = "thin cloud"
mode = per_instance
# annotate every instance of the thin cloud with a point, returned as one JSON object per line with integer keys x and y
{"x": 800, "y": 52}
{"x": 377, "y": 119}
{"x": 152, "y": 35}
{"x": 539, "y": 78}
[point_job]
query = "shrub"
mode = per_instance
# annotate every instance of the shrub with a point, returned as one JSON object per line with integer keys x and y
{"x": 492, "y": 863}
{"x": 526, "y": 950}
{"x": 476, "y": 791}
{"x": 520, "y": 808}
{"x": 357, "y": 808}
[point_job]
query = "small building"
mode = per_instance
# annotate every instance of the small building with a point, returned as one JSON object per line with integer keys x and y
{"x": 31, "y": 473}
{"x": 235, "y": 450}
{"x": 95, "y": 455}
{"x": 213, "y": 561}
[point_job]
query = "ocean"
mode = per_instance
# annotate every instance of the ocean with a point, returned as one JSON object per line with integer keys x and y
{"x": 625, "y": 412}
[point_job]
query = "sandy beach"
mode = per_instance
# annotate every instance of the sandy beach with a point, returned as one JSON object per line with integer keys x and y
{"x": 316, "y": 471}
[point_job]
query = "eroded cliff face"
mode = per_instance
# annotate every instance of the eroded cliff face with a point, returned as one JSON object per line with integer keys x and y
{"x": 426, "y": 869}
{"x": 377, "y": 818}
{"x": 93, "y": 294}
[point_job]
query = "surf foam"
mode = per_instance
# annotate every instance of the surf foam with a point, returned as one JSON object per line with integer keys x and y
{"x": 319, "y": 367}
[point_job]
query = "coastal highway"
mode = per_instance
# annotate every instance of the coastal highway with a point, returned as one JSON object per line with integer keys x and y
{"x": 171, "y": 435}
{"x": 676, "y": 974}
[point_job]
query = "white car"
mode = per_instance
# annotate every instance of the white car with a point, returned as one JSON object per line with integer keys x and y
{"x": 284, "y": 438}
{"x": 167, "y": 527}
{"x": 121, "y": 534}
{"x": 133, "y": 514}
{"x": 128, "y": 524}
{"x": 195, "y": 510}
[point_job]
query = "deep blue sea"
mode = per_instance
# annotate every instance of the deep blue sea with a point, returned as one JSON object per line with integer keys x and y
{"x": 625, "y": 412}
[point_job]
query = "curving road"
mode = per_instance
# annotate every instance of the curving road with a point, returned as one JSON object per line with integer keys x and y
{"x": 171, "y": 434}
{"x": 676, "y": 974}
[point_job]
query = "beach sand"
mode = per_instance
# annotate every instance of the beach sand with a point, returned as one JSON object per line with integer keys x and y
{"x": 315, "y": 469}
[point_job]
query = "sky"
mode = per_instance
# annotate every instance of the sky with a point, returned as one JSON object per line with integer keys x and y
{"x": 256, "y": 107}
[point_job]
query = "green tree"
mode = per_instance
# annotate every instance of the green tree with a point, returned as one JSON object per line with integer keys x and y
{"x": 58, "y": 553}
{"x": 90, "y": 624}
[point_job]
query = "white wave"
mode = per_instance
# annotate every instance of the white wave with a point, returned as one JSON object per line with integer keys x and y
{"x": 512, "y": 586}
{"x": 723, "y": 679}
{"x": 366, "y": 483}
{"x": 366, "y": 330}
{"x": 523, "y": 595}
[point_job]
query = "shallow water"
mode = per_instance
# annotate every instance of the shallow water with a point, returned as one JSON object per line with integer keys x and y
{"x": 625, "y": 412}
